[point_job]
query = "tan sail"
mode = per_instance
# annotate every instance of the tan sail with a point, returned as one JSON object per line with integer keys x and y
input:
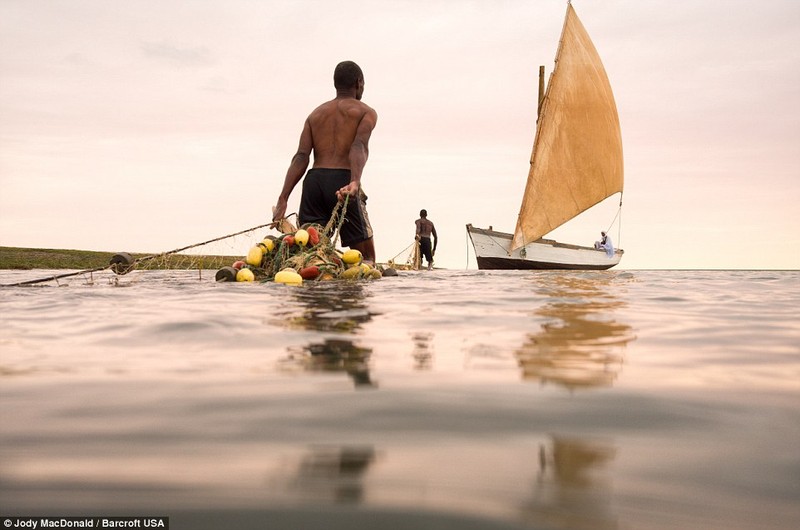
{"x": 577, "y": 155}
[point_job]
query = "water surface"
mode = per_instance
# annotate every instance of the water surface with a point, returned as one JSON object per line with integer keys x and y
{"x": 443, "y": 399}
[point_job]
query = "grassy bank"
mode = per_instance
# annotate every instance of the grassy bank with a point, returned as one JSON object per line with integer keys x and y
{"x": 45, "y": 258}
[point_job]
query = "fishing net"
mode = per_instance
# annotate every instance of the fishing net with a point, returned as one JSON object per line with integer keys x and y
{"x": 308, "y": 253}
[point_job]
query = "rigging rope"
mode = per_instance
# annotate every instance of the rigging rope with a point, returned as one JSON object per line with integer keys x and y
{"x": 614, "y": 219}
{"x": 619, "y": 227}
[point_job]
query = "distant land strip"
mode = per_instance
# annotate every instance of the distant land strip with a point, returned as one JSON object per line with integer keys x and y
{"x": 46, "y": 258}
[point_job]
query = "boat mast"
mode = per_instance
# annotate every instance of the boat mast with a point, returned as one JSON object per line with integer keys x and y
{"x": 541, "y": 93}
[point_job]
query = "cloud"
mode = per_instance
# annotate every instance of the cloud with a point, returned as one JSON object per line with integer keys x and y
{"x": 177, "y": 56}
{"x": 216, "y": 84}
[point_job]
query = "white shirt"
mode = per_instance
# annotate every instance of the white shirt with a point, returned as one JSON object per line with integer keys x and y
{"x": 609, "y": 247}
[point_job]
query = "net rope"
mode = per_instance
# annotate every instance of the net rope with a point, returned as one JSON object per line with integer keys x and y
{"x": 219, "y": 252}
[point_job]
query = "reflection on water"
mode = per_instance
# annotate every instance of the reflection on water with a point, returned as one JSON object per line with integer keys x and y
{"x": 572, "y": 489}
{"x": 333, "y": 355}
{"x": 582, "y": 344}
{"x": 333, "y": 473}
{"x": 341, "y": 310}
{"x": 339, "y": 307}
{"x": 422, "y": 353}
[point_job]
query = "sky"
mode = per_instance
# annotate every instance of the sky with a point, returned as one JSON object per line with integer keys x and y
{"x": 144, "y": 126}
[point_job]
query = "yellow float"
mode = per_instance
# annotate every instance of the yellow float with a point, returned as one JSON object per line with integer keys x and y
{"x": 268, "y": 244}
{"x": 301, "y": 237}
{"x": 352, "y": 256}
{"x": 353, "y": 273}
{"x": 245, "y": 275}
{"x": 255, "y": 256}
{"x": 289, "y": 276}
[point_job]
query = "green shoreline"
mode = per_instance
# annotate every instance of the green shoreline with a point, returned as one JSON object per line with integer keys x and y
{"x": 19, "y": 258}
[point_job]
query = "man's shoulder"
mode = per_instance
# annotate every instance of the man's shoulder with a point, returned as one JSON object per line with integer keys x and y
{"x": 369, "y": 109}
{"x": 364, "y": 110}
{"x": 349, "y": 106}
{"x": 358, "y": 107}
{"x": 321, "y": 109}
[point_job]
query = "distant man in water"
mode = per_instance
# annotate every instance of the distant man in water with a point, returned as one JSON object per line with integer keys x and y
{"x": 338, "y": 133}
{"x": 424, "y": 230}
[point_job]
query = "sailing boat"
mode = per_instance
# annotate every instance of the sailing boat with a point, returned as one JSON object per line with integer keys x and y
{"x": 576, "y": 163}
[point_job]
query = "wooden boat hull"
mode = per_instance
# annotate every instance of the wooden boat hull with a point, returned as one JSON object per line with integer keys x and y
{"x": 492, "y": 253}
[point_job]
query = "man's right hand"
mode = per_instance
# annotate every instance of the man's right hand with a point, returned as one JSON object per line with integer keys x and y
{"x": 279, "y": 210}
{"x": 350, "y": 189}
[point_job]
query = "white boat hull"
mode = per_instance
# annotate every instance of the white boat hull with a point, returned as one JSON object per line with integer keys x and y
{"x": 492, "y": 252}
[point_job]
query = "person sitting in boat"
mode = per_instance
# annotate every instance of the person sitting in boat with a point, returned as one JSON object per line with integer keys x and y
{"x": 605, "y": 244}
{"x": 424, "y": 230}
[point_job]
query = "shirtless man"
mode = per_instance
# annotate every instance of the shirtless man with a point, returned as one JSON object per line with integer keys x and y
{"x": 424, "y": 230}
{"x": 338, "y": 133}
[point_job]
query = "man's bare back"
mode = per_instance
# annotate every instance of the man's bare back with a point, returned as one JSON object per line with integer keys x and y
{"x": 424, "y": 227}
{"x": 333, "y": 126}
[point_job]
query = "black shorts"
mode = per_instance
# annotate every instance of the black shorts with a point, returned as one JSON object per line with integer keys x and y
{"x": 319, "y": 199}
{"x": 425, "y": 248}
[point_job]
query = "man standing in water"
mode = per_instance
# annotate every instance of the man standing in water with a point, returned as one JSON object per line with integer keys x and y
{"x": 424, "y": 230}
{"x": 338, "y": 133}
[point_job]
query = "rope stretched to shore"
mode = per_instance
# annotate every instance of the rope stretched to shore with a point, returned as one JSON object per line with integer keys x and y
{"x": 403, "y": 251}
{"x": 138, "y": 260}
{"x": 126, "y": 264}
{"x": 175, "y": 251}
{"x": 56, "y": 277}
{"x": 413, "y": 258}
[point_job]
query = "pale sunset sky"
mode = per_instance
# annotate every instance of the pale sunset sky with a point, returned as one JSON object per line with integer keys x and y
{"x": 144, "y": 126}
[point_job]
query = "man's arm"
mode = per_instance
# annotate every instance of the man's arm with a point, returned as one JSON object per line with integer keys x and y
{"x": 297, "y": 168}
{"x": 359, "y": 152}
{"x": 435, "y": 237}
